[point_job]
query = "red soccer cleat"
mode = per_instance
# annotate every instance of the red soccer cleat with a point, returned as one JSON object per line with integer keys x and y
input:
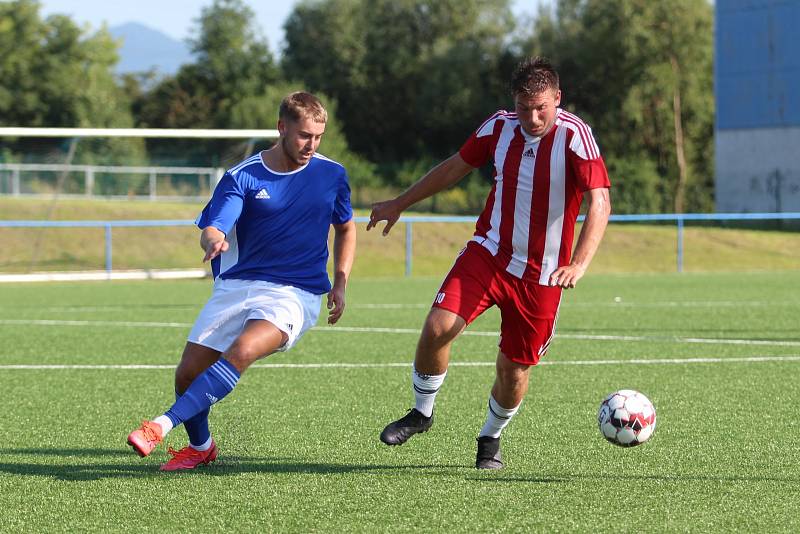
{"x": 145, "y": 438}
{"x": 189, "y": 458}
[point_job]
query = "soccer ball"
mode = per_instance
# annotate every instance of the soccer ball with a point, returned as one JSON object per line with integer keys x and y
{"x": 626, "y": 418}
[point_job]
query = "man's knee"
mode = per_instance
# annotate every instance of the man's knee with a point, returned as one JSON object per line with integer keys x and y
{"x": 245, "y": 352}
{"x": 442, "y": 327}
{"x": 242, "y": 354}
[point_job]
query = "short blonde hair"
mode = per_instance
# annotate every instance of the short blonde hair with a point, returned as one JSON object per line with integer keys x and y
{"x": 299, "y": 105}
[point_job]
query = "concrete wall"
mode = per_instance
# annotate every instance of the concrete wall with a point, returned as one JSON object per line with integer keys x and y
{"x": 758, "y": 170}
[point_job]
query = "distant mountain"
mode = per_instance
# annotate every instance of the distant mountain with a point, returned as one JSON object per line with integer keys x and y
{"x": 144, "y": 48}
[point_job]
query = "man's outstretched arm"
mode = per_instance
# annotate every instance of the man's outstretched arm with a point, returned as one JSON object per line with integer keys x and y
{"x": 440, "y": 177}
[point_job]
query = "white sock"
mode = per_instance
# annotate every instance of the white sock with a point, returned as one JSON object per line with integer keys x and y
{"x": 497, "y": 418}
{"x": 425, "y": 389}
{"x": 204, "y": 447}
{"x": 165, "y": 423}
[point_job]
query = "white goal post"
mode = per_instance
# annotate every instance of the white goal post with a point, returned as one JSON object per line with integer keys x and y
{"x": 176, "y": 133}
{"x": 74, "y": 135}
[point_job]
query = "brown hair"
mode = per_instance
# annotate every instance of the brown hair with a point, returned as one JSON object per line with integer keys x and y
{"x": 532, "y": 76}
{"x": 300, "y": 105}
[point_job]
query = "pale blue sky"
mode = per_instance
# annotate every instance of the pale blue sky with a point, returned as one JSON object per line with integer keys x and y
{"x": 176, "y": 17}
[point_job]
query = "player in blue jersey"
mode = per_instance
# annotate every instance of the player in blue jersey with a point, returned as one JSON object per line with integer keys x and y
{"x": 265, "y": 231}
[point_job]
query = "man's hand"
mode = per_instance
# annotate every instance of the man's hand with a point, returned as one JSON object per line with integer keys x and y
{"x": 388, "y": 211}
{"x": 335, "y": 304}
{"x": 212, "y": 241}
{"x": 567, "y": 276}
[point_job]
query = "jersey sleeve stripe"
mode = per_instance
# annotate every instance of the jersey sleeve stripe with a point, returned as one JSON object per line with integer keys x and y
{"x": 586, "y": 137}
{"x": 249, "y": 161}
{"x": 326, "y": 158}
{"x": 487, "y": 128}
{"x": 592, "y": 150}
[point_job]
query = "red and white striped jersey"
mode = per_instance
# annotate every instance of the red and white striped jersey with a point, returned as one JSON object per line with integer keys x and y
{"x": 528, "y": 223}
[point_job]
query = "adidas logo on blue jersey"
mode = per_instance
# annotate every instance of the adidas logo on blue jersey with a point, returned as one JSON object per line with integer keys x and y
{"x": 529, "y": 153}
{"x": 262, "y": 194}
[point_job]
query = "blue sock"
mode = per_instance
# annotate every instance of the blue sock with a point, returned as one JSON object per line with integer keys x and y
{"x": 210, "y": 387}
{"x": 197, "y": 426}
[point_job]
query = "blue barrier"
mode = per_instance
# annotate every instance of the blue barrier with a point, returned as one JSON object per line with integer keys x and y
{"x": 409, "y": 220}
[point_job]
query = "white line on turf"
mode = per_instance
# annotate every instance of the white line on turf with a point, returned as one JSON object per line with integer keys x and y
{"x": 622, "y": 303}
{"x": 425, "y": 305}
{"x": 63, "y": 322}
{"x": 635, "y": 361}
{"x": 415, "y": 331}
{"x": 92, "y": 309}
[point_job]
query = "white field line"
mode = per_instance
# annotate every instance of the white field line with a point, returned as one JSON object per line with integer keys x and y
{"x": 415, "y": 331}
{"x": 637, "y": 361}
{"x": 94, "y": 309}
{"x": 64, "y": 322}
{"x": 679, "y": 304}
{"x": 425, "y": 305}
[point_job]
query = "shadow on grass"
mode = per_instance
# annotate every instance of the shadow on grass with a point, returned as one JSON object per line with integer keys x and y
{"x": 121, "y": 464}
{"x": 85, "y": 469}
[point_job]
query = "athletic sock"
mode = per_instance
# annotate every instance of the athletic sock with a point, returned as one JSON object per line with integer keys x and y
{"x": 425, "y": 389}
{"x": 210, "y": 387}
{"x": 204, "y": 446}
{"x": 165, "y": 423}
{"x": 497, "y": 418}
{"x": 197, "y": 428}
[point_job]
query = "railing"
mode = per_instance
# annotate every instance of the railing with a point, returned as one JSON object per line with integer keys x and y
{"x": 410, "y": 220}
{"x": 211, "y": 174}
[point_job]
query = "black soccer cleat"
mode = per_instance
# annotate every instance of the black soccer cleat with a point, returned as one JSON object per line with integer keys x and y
{"x": 413, "y": 422}
{"x": 489, "y": 453}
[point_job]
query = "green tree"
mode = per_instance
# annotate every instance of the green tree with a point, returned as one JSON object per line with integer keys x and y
{"x": 412, "y": 77}
{"x": 232, "y": 64}
{"x": 641, "y": 73}
{"x": 55, "y": 74}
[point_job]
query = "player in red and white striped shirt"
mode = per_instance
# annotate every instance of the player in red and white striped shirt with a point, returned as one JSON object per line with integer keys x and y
{"x": 520, "y": 258}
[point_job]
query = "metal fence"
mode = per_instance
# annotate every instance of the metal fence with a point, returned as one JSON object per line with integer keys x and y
{"x": 409, "y": 221}
{"x": 13, "y": 174}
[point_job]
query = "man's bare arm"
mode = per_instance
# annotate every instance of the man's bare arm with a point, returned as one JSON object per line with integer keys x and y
{"x": 440, "y": 177}
{"x": 594, "y": 226}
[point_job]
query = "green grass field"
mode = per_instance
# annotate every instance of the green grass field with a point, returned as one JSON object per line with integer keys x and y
{"x": 719, "y": 355}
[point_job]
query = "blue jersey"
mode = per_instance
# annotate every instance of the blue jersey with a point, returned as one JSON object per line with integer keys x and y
{"x": 277, "y": 223}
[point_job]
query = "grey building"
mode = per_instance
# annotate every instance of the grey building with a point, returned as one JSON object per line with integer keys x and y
{"x": 757, "y": 89}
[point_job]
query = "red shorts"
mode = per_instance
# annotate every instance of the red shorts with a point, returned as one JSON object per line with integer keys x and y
{"x": 528, "y": 310}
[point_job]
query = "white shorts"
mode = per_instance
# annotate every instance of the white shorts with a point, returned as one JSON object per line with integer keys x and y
{"x": 234, "y": 302}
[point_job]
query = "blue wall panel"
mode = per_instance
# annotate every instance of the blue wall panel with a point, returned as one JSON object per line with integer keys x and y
{"x": 757, "y": 63}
